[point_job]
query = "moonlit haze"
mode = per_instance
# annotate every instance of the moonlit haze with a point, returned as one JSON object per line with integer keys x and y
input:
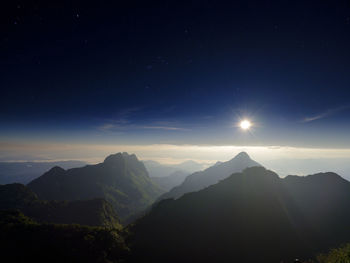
{"x": 245, "y": 124}
{"x": 85, "y": 82}
{"x": 194, "y": 131}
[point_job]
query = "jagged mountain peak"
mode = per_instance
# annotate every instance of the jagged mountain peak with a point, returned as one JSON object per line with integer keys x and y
{"x": 122, "y": 179}
{"x": 241, "y": 159}
{"x": 242, "y": 155}
{"x": 117, "y": 157}
{"x": 56, "y": 169}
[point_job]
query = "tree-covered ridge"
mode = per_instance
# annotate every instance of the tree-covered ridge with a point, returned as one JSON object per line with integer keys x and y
{"x": 121, "y": 179}
{"x": 95, "y": 212}
{"x": 336, "y": 255}
{"x": 24, "y": 240}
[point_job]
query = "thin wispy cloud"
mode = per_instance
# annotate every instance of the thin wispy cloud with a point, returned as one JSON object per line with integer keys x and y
{"x": 125, "y": 121}
{"x": 121, "y": 127}
{"x": 165, "y": 128}
{"x": 106, "y": 127}
{"x": 325, "y": 114}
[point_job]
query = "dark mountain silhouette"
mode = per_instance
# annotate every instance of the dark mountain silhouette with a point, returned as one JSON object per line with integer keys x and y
{"x": 95, "y": 212}
{"x": 24, "y": 172}
{"x": 25, "y": 240}
{"x": 211, "y": 175}
{"x": 253, "y": 216}
{"x": 121, "y": 179}
{"x": 324, "y": 200}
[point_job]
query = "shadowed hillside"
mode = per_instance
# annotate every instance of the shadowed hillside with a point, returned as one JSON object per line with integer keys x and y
{"x": 253, "y": 216}
{"x": 24, "y": 240}
{"x": 211, "y": 175}
{"x": 95, "y": 212}
{"x": 121, "y": 179}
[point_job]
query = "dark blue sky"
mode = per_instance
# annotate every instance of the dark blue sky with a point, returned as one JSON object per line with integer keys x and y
{"x": 176, "y": 72}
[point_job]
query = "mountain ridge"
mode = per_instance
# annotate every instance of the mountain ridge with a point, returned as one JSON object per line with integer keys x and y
{"x": 121, "y": 179}
{"x": 94, "y": 212}
{"x": 254, "y": 210}
{"x": 211, "y": 175}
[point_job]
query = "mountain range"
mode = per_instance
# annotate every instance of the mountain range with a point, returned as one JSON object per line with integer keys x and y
{"x": 157, "y": 169}
{"x": 251, "y": 216}
{"x": 168, "y": 176}
{"x": 24, "y": 172}
{"x": 234, "y": 211}
{"x": 121, "y": 179}
{"x": 170, "y": 181}
{"x": 212, "y": 175}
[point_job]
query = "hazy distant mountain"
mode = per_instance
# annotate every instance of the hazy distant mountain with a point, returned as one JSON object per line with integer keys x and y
{"x": 156, "y": 169}
{"x": 298, "y": 166}
{"x": 121, "y": 179}
{"x": 211, "y": 175}
{"x": 24, "y": 172}
{"x": 170, "y": 181}
{"x": 96, "y": 212}
{"x": 253, "y": 216}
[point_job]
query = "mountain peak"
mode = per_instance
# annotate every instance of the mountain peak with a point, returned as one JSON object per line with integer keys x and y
{"x": 113, "y": 157}
{"x": 56, "y": 169}
{"x": 241, "y": 156}
{"x": 212, "y": 175}
{"x": 121, "y": 179}
{"x": 117, "y": 157}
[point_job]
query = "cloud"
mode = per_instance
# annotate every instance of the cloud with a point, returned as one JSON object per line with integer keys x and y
{"x": 325, "y": 114}
{"x": 107, "y": 126}
{"x": 165, "y": 153}
{"x": 168, "y": 128}
{"x": 121, "y": 127}
{"x": 124, "y": 121}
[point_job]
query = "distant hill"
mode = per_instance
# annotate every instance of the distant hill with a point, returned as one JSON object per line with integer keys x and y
{"x": 156, "y": 169}
{"x": 170, "y": 181}
{"x": 24, "y": 172}
{"x": 287, "y": 166}
{"x": 95, "y": 212}
{"x": 211, "y": 175}
{"x": 253, "y": 216}
{"x": 169, "y": 176}
{"x": 25, "y": 240}
{"x": 121, "y": 179}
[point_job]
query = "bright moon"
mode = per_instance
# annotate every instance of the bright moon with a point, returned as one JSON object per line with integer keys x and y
{"x": 245, "y": 124}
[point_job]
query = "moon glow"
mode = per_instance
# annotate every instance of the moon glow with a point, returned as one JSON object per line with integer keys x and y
{"x": 245, "y": 125}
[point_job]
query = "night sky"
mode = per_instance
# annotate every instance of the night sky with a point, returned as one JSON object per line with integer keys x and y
{"x": 174, "y": 72}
